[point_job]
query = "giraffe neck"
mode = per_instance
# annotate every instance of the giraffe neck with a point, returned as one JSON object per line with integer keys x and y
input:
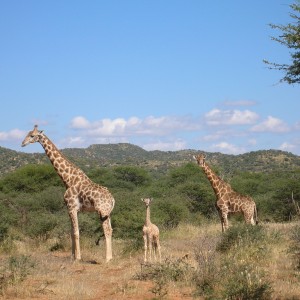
{"x": 216, "y": 182}
{"x": 148, "y": 222}
{"x": 64, "y": 168}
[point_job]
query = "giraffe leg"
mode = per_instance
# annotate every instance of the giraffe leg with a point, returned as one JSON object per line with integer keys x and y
{"x": 154, "y": 248}
{"x": 145, "y": 247}
{"x": 107, "y": 229}
{"x": 224, "y": 221}
{"x": 158, "y": 249}
{"x": 221, "y": 215}
{"x": 223, "y": 227}
{"x": 253, "y": 216}
{"x": 150, "y": 247}
{"x": 75, "y": 235}
{"x": 249, "y": 218}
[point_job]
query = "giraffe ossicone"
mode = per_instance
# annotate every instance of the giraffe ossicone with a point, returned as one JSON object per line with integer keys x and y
{"x": 150, "y": 235}
{"x": 82, "y": 194}
{"x": 228, "y": 201}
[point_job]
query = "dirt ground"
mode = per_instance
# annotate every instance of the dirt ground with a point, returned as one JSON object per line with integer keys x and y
{"x": 56, "y": 276}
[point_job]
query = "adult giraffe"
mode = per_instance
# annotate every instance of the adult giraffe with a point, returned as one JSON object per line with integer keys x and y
{"x": 228, "y": 200}
{"x": 81, "y": 194}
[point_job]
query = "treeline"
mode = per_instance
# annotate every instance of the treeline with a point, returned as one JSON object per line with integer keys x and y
{"x": 31, "y": 199}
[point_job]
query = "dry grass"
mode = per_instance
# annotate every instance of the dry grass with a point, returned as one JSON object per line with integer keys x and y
{"x": 55, "y": 276}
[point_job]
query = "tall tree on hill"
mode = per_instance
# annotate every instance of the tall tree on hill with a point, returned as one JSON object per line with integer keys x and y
{"x": 290, "y": 38}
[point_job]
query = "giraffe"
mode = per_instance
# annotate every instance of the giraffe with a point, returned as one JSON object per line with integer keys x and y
{"x": 81, "y": 193}
{"x": 228, "y": 200}
{"x": 150, "y": 234}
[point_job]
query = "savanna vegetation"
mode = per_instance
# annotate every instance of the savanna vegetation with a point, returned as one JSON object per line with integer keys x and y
{"x": 195, "y": 261}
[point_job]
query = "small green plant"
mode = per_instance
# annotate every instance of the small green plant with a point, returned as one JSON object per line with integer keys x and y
{"x": 15, "y": 271}
{"x": 133, "y": 245}
{"x": 240, "y": 235}
{"x": 294, "y": 248}
{"x": 41, "y": 225}
{"x": 20, "y": 267}
{"x": 8, "y": 246}
{"x": 57, "y": 246}
{"x": 164, "y": 273}
{"x": 3, "y": 231}
{"x": 246, "y": 282}
{"x": 207, "y": 276}
{"x": 229, "y": 267}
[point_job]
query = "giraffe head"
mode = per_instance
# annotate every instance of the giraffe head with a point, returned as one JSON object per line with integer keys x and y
{"x": 200, "y": 158}
{"x": 33, "y": 136}
{"x": 147, "y": 201}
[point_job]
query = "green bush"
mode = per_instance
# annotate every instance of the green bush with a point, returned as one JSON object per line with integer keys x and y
{"x": 41, "y": 225}
{"x": 16, "y": 270}
{"x": 3, "y": 231}
{"x": 246, "y": 282}
{"x": 170, "y": 213}
{"x": 241, "y": 235}
{"x": 294, "y": 248}
{"x": 207, "y": 276}
{"x": 229, "y": 266}
{"x": 30, "y": 179}
{"x": 134, "y": 175}
{"x": 162, "y": 274}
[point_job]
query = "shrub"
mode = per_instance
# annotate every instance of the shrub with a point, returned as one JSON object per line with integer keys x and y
{"x": 30, "y": 179}
{"x": 240, "y": 235}
{"x": 229, "y": 267}
{"x": 170, "y": 213}
{"x": 133, "y": 245}
{"x": 164, "y": 273}
{"x": 130, "y": 174}
{"x": 246, "y": 282}
{"x": 41, "y": 225}
{"x": 294, "y": 248}
{"x": 3, "y": 231}
{"x": 207, "y": 276}
{"x": 15, "y": 271}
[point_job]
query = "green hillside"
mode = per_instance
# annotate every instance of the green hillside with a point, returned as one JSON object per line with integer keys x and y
{"x": 107, "y": 155}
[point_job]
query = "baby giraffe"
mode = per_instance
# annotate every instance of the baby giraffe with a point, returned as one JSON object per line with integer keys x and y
{"x": 150, "y": 234}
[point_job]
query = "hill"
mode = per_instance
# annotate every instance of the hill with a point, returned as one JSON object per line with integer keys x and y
{"x": 108, "y": 155}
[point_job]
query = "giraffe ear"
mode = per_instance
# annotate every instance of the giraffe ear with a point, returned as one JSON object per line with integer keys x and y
{"x": 142, "y": 199}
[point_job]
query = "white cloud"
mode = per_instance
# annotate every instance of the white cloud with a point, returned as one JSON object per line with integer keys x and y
{"x": 14, "y": 134}
{"x": 80, "y": 123}
{"x": 78, "y": 140}
{"x": 218, "y": 117}
{"x": 135, "y": 126}
{"x": 271, "y": 125}
{"x": 228, "y": 132}
{"x": 166, "y": 146}
{"x": 287, "y": 147}
{"x": 227, "y": 148}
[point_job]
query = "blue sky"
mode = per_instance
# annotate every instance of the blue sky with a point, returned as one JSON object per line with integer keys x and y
{"x": 163, "y": 75}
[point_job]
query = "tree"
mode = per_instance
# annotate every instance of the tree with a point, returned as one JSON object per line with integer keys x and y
{"x": 290, "y": 38}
